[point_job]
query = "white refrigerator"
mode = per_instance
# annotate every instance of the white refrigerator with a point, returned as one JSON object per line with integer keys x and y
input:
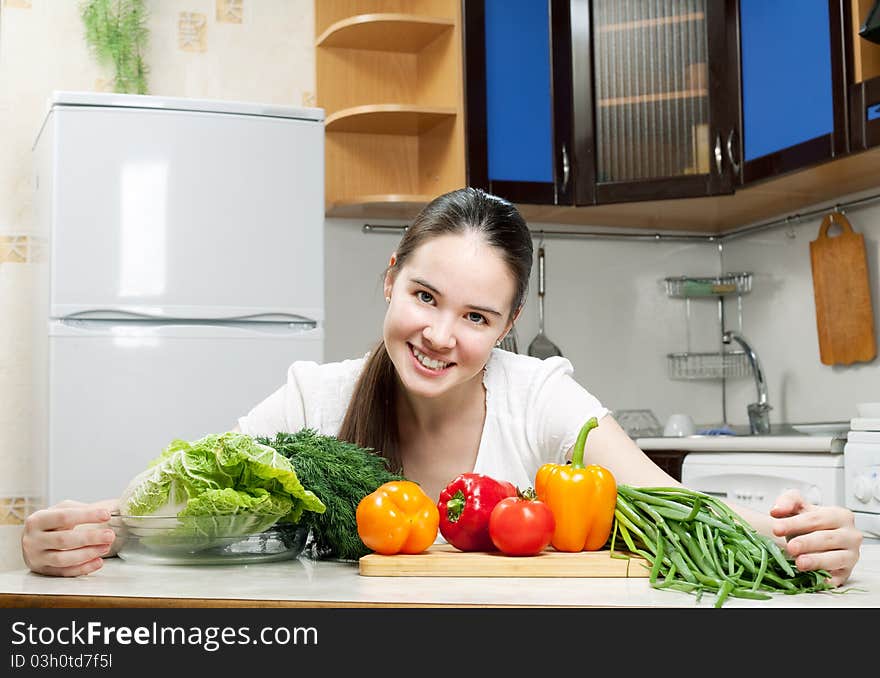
{"x": 182, "y": 272}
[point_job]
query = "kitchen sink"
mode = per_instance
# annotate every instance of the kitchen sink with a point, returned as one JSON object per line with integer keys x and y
{"x": 836, "y": 429}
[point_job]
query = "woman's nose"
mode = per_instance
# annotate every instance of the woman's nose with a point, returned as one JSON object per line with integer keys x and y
{"x": 440, "y": 334}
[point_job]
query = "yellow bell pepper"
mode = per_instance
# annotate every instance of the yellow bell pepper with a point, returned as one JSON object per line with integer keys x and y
{"x": 582, "y": 499}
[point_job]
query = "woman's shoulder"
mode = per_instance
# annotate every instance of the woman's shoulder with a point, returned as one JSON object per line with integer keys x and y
{"x": 324, "y": 373}
{"x": 519, "y": 367}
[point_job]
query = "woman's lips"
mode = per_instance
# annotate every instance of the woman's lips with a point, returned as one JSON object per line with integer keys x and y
{"x": 422, "y": 369}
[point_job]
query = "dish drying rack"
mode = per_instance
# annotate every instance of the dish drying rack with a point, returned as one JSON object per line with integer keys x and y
{"x": 722, "y": 364}
{"x": 730, "y": 365}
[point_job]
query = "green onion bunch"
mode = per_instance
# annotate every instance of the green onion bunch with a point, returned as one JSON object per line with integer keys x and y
{"x": 696, "y": 543}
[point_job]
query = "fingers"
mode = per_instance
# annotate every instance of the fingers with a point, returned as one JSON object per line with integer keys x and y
{"x": 68, "y": 539}
{"x": 818, "y": 537}
{"x": 65, "y": 518}
{"x": 790, "y": 502}
{"x": 812, "y": 520}
{"x": 73, "y": 570}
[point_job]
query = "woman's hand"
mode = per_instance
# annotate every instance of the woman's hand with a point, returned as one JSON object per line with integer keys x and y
{"x": 68, "y": 539}
{"x": 818, "y": 537}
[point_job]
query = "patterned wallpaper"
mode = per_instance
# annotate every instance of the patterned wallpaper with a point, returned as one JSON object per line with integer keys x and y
{"x": 243, "y": 50}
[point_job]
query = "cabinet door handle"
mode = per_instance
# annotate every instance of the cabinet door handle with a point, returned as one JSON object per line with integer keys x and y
{"x": 733, "y": 162}
{"x": 565, "y": 168}
{"x": 718, "y": 153}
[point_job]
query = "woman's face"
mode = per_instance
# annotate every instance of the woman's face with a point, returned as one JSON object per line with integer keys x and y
{"x": 449, "y": 304}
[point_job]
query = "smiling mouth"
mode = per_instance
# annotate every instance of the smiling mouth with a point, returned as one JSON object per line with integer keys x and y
{"x": 427, "y": 362}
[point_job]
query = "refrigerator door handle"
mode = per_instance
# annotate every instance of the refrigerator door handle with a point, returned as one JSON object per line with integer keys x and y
{"x": 105, "y": 314}
{"x": 184, "y": 328}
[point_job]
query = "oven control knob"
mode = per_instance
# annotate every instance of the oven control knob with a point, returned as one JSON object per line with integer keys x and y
{"x": 813, "y": 495}
{"x": 877, "y": 489}
{"x": 863, "y": 489}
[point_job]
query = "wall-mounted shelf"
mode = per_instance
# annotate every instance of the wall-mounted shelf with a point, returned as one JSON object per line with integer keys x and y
{"x": 734, "y": 364}
{"x": 388, "y": 119}
{"x": 716, "y": 364}
{"x": 387, "y": 32}
{"x": 391, "y": 86}
{"x": 681, "y": 287}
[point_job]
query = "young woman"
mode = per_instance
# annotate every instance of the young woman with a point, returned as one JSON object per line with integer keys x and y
{"x": 438, "y": 398}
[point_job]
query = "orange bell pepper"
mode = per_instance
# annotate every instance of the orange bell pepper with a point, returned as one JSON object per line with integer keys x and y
{"x": 582, "y": 499}
{"x": 398, "y": 517}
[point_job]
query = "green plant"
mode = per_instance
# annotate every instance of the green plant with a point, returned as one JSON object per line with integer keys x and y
{"x": 116, "y": 31}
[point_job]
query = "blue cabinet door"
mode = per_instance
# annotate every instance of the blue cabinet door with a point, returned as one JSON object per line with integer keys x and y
{"x": 792, "y": 85}
{"x": 517, "y": 72}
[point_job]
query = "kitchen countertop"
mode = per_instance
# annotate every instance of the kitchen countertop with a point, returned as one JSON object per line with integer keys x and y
{"x": 771, "y": 443}
{"x": 308, "y": 583}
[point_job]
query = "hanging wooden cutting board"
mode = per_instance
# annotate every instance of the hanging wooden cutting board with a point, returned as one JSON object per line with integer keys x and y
{"x": 443, "y": 560}
{"x": 844, "y": 316}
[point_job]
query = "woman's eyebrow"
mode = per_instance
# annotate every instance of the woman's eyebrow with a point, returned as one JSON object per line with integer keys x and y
{"x": 483, "y": 309}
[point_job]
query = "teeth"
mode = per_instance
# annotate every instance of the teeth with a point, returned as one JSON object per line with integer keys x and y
{"x": 430, "y": 363}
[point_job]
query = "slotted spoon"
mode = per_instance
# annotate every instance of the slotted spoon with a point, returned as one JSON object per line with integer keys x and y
{"x": 541, "y": 346}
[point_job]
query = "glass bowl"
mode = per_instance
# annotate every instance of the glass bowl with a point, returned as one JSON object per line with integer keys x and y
{"x": 206, "y": 540}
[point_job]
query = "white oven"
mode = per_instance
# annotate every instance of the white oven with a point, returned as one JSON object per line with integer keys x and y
{"x": 755, "y": 479}
{"x": 862, "y": 463}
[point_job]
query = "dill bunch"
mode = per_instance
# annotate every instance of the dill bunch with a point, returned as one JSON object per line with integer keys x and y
{"x": 340, "y": 474}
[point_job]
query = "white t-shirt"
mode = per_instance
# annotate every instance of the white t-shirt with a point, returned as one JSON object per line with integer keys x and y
{"x": 534, "y": 410}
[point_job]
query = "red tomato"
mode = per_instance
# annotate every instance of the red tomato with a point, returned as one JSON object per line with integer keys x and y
{"x": 521, "y": 526}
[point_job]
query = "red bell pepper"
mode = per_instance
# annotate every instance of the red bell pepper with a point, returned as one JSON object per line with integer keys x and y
{"x": 465, "y": 506}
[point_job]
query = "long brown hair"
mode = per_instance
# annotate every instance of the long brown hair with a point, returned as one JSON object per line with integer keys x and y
{"x": 371, "y": 418}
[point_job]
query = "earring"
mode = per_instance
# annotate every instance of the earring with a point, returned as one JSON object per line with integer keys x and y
{"x": 498, "y": 343}
{"x": 387, "y": 300}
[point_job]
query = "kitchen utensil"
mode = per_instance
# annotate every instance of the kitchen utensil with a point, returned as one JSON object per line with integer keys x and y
{"x": 679, "y": 425}
{"x": 541, "y": 346}
{"x": 844, "y": 317}
{"x": 443, "y": 560}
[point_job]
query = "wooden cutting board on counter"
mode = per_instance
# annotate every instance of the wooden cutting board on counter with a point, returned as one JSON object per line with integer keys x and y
{"x": 844, "y": 316}
{"x": 443, "y": 560}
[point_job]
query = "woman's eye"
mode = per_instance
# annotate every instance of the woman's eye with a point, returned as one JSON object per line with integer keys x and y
{"x": 477, "y": 318}
{"x": 424, "y": 296}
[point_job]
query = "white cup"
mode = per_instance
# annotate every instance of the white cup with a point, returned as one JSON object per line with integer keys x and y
{"x": 868, "y": 410}
{"x": 679, "y": 426}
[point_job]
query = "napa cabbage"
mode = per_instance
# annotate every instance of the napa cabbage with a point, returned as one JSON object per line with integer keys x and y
{"x": 221, "y": 485}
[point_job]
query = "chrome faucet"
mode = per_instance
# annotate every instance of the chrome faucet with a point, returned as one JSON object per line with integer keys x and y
{"x": 759, "y": 412}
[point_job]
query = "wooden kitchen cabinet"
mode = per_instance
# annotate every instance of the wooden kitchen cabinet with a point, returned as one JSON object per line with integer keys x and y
{"x": 517, "y": 59}
{"x": 614, "y": 102}
{"x": 389, "y": 78}
{"x": 655, "y": 99}
{"x": 793, "y": 87}
{"x": 668, "y": 460}
{"x": 864, "y": 92}
{"x": 605, "y": 114}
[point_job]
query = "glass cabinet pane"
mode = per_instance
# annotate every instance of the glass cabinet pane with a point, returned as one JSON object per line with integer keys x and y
{"x": 652, "y": 92}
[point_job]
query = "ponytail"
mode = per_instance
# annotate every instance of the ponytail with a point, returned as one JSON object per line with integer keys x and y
{"x": 371, "y": 418}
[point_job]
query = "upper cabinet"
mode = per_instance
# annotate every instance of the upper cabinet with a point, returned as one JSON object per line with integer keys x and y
{"x": 686, "y": 115}
{"x": 389, "y": 78}
{"x": 519, "y": 109}
{"x": 864, "y": 94}
{"x": 793, "y": 85}
{"x": 655, "y": 99}
{"x": 576, "y": 102}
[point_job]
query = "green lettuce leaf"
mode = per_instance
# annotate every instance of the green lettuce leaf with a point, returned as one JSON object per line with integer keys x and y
{"x": 222, "y": 484}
